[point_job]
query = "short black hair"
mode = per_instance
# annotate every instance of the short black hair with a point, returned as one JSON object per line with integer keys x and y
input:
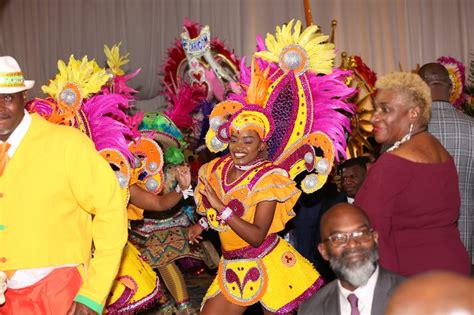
{"x": 358, "y": 161}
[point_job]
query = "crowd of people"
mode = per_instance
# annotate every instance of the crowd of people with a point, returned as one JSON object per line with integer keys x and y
{"x": 370, "y": 236}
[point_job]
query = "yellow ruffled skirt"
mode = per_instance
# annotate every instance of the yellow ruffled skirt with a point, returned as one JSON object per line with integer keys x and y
{"x": 136, "y": 285}
{"x": 280, "y": 280}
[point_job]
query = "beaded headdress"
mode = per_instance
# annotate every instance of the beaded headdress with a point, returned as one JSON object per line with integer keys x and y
{"x": 298, "y": 100}
{"x": 197, "y": 73}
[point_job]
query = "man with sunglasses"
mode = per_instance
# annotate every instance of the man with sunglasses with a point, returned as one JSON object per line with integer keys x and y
{"x": 350, "y": 246}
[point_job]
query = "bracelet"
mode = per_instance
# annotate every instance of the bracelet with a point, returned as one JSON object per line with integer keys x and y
{"x": 203, "y": 223}
{"x": 188, "y": 192}
{"x": 226, "y": 214}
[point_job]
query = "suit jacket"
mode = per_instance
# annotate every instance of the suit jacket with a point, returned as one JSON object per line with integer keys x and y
{"x": 455, "y": 131}
{"x": 51, "y": 189}
{"x": 326, "y": 300}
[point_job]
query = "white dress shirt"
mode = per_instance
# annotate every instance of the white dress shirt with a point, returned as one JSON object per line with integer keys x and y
{"x": 365, "y": 294}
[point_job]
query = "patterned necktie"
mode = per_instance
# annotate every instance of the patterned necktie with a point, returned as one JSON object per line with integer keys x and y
{"x": 4, "y": 158}
{"x": 353, "y": 300}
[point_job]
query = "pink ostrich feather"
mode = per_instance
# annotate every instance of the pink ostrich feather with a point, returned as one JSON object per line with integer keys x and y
{"x": 133, "y": 123}
{"x": 183, "y": 103}
{"x": 121, "y": 87}
{"x": 331, "y": 108}
{"x": 43, "y": 107}
{"x": 108, "y": 122}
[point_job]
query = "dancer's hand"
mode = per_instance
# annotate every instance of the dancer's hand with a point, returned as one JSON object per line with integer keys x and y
{"x": 80, "y": 309}
{"x": 183, "y": 176}
{"x": 211, "y": 196}
{"x": 194, "y": 233}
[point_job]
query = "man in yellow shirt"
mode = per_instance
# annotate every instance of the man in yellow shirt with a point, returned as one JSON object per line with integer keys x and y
{"x": 58, "y": 196}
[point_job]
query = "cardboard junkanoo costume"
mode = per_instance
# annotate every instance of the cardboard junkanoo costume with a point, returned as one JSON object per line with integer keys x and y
{"x": 294, "y": 99}
{"x": 91, "y": 99}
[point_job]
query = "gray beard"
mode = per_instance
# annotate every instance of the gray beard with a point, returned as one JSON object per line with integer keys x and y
{"x": 357, "y": 274}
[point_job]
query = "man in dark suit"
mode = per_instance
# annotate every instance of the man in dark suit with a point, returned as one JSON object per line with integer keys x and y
{"x": 350, "y": 245}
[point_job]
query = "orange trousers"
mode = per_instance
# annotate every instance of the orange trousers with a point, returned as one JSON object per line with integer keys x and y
{"x": 52, "y": 295}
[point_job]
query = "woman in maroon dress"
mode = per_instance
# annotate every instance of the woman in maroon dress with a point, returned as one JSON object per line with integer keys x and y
{"x": 411, "y": 193}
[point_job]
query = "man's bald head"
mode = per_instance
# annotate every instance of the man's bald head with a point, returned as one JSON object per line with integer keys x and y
{"x": 434, "y": 293}
{"x": 437, "y": 77}
{"x": 342, "y": 214}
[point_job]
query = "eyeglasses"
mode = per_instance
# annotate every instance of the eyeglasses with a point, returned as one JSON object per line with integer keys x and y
{"x": 340, "y": 238}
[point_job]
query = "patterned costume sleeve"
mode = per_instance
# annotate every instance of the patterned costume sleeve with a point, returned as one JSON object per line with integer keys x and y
{"x": 275, "y": 186}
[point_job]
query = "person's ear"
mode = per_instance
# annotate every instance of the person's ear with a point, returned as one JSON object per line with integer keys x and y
{"x": 323, "y": 251}
{"x": 414, "y": 114}
{"x": 375, "y": 235}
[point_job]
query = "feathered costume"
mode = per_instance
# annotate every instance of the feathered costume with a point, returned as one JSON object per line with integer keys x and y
{"x": 84, "y": 96}
{"x": 197, "y": 73}
{"x": 294, "y": 99}
{"x": 360, "y": 140}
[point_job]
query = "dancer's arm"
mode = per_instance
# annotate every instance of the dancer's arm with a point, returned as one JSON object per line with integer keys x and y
{"x": 151, "y": 202}
{"x": 253, "y": 233}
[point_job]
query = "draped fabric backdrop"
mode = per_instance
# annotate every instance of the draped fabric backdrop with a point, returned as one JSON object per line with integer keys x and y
{"x": 385, "y": 33}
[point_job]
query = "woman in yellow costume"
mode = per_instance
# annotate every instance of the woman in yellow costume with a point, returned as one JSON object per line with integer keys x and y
{"x": 162, "y": 236}
{"x": 292, "y": 101}
{"x": 137, "y": 285}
